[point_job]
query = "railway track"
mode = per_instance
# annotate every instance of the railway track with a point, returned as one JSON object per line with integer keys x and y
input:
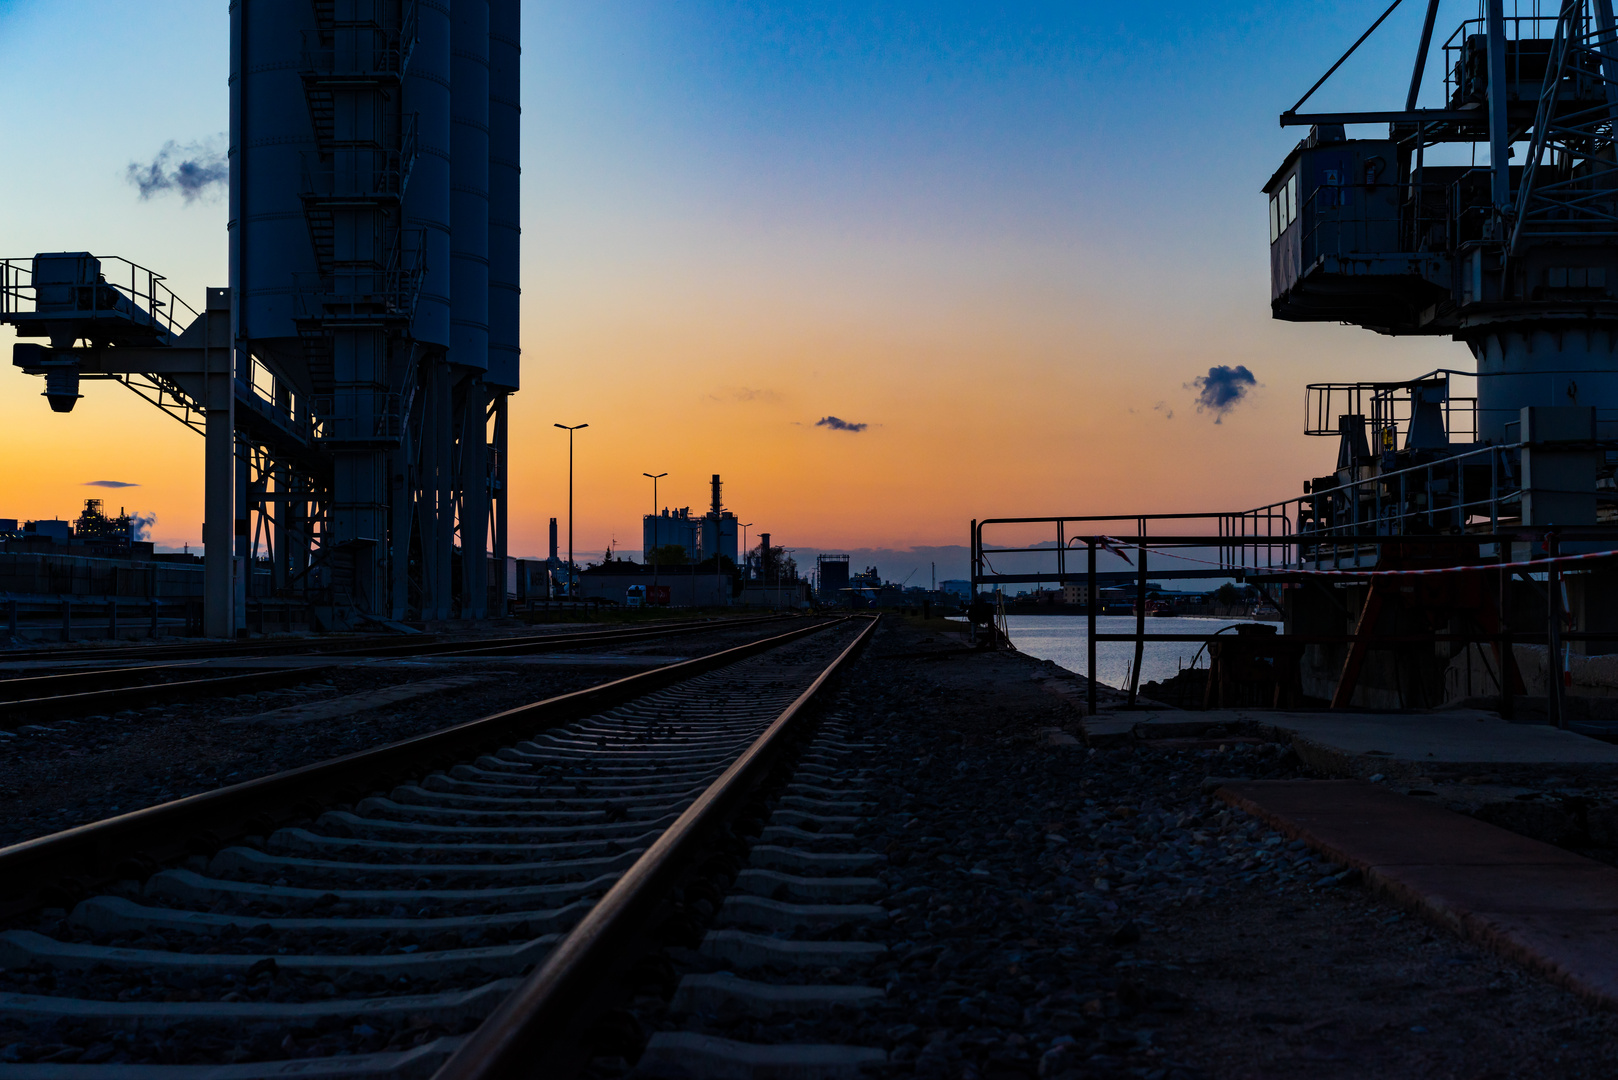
{"x": 362, "y": 916}
{"x": 202, "y": 650}
{"x": 337, "y": 645}
{"x": 75, "y": 693}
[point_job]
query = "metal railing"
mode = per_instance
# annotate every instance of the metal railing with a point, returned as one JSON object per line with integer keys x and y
{"x": 387, "y": 290}
{"x": 1490, "y": 553}
{"x": 1521, "y": 63}
{"x": 1473, "y": 492}
{"x": 1239, "y": 542}
{"x": 106, "y": 287}
{"x": 1470, "y": 492}
{"x": 357, "y": 416}
{"x": 72, "y": 618}
{"x": 362, "y": 49}
{"x": 361, "y": 172}
{"x": 1386, "y": 405}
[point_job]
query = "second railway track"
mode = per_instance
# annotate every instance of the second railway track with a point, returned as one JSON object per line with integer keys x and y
{"x": 27, "y": 698}
{"x": 359, "y": 917}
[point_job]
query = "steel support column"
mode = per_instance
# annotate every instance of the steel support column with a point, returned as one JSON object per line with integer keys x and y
{"x": 498, "y": 493}
{"x": 219, "y": 471}
{"x": 475, "y": 500}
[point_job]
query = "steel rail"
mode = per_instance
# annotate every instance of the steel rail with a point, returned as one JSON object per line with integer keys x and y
{"x": 126, "y": 696}
{"x": 14, "y": 709}
{"x": 556, "y": 642}
{"x": 30, "y": 685}
{"x": 535, "y": 1022}
{"x": 182, "y": 650}
{"x": 63, "y": 866}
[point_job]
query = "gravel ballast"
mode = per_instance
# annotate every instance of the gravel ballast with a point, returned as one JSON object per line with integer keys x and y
{"x": 1063, "y": 912}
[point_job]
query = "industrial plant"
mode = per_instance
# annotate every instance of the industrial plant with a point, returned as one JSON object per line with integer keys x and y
{"x": 351, "y": 381}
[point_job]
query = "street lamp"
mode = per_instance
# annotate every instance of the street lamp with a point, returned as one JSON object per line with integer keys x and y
{"x": 745, "y": 549}
{"x": 655, "y": 530}
{"x": 571, "y": 582}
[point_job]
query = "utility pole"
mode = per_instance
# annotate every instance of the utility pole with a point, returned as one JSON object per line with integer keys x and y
{"x": 572, "y": 580}
{"x": 655, "y": 530}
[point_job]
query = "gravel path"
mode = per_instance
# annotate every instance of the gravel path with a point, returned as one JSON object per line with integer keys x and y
{"x": 1066, "y": 913}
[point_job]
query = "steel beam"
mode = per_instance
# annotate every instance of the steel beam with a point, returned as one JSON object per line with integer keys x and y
{"x": 1499, "y": 134}
{"x": 1421, "y": 55}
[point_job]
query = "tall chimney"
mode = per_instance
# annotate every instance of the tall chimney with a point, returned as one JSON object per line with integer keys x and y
{"x": 718, "y": 503}
{"x": 553, "y": 538}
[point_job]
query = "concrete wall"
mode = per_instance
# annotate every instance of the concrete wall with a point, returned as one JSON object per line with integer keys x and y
{"x": 1472, "y": 673}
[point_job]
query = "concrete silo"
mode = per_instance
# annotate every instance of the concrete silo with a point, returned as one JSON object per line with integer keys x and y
{"x": 343, "y": 381}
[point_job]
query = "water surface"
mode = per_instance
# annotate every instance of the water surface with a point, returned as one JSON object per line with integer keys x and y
{"x": 1062, "y": 638}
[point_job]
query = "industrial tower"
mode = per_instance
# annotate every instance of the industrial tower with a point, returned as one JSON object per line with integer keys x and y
{"x": 352, "y": 381}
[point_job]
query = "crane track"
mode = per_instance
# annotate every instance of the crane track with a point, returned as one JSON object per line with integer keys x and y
{"x": 367, "y": 941}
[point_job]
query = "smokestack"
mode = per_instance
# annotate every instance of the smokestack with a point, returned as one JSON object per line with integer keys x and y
{"x": 718, "y": 503}
{"x": 553, "y": 538}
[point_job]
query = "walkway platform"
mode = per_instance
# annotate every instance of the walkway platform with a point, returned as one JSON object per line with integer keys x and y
{"x": 1551, "y": 910}
{"x": 1399, "y": 746}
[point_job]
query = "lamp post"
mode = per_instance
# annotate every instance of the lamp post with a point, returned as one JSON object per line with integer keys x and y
{"x": 655, "y": 530}
{"x": 745, "y": 526}
{"x": 572, "y": 593}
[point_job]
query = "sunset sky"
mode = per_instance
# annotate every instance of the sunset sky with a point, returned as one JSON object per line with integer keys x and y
{"x": 1005, "y": 238}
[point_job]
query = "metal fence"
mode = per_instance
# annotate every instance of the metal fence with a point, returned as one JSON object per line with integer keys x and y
{"x": 1269, "y": 557}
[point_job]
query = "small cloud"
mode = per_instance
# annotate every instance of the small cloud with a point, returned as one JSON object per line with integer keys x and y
{"x": 1222, "y": 389}
{"x": 837, "y": 424}
{"x": 1163, "y": 407}
{"x": 194, "y": 170}
{"x": 140, "y": 525}
{"x": 744, "y": 394}
{"x": 109, "y": 483}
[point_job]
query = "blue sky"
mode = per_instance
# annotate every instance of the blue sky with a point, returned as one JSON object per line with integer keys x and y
{"x": 1005, "y": 236}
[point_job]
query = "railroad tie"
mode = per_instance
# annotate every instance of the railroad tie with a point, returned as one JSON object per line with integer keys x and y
{"x": 804, "y": 877}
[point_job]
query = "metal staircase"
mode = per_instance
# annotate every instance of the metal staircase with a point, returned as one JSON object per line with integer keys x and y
{"x": 360, "y": 174}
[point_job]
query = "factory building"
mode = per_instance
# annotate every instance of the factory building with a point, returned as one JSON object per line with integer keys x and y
{"x": 831, "y": 578}
{"x": 700, "y": 537}
{"x": 672, "y": 528}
